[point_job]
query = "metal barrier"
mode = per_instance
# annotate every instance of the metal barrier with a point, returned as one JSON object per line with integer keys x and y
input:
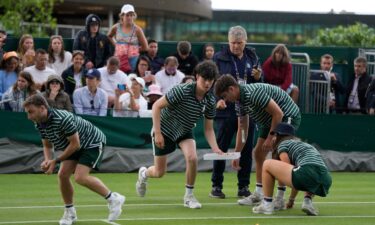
{"x": 301, "y": 77}
{"x": 369, "y": 54}
{"x": 319, "y": 92}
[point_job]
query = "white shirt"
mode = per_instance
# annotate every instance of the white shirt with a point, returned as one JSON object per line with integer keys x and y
{"x": 125, "y": 111}
{"x": 167, "y": 82}
{"x": 109, "y": 82}
{"x": 40, "y": 76}
{"x": 59, "y": 66}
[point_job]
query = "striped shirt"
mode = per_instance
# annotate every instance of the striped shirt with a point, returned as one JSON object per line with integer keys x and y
{"x": 254, "y": 98}
{"x": 62, "y": 124}
{"x": 184, "y": 110}
{"x": 300, "y": 153}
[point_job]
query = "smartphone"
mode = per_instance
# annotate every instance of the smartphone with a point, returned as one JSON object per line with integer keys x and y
{"x": 121, "y": 87}
{"x": 148, "y": 72}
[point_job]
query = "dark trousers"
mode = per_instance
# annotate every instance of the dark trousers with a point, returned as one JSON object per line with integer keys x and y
{"x": 226, "y": 130}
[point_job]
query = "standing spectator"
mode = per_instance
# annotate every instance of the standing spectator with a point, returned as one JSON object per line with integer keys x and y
{"x": 74, "y": 76}
{"x": 170, "y": 76}
{"x": 59, "y": 59}
{"x": 90, "y": 99}
{"x": 300, "y": 167}
{"x": 156, "y": 61}
{"x": 55, "y": 94}
{"x": 3, "y": 38}
{"x": 356, "y": 91}
{"x": 186, "y": 60}
{"x": 111, "y": 77}
{"x": 40, "y": 71}
{"x": 130, "y": 102}
{"x": 82, "y": 146}
{"x": 9, "y": 69}
{"x": 95, "y": 45}
{"x": 277, "y": 70}
{"x": 326, "y": 64}
{"x": 26, "y": 50}
{"x": 14, "y": 97}
{"x": 268, "y": 106}
{"x": 370, "y": 95}
{"x": 128, "y": 38}
{"x": 242, "y": 63}
{"x": 143, "y": 69}
{"x": 208, "y": 52}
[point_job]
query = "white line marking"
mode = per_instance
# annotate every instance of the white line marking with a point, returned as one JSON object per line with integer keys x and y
{"x": 193, "y": 218}
{"x": 166, "y": 204}
{"x": 110, "y": 222}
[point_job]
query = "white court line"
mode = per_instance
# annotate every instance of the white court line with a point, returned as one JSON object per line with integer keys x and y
{"x": 161, "y": 204}
{"x": 193, "y": 218}
{"x": 109, "y": 222}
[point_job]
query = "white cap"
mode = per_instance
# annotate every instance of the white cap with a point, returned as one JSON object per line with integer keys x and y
{"x": 140, "y": 81}
{"x": 127, "y": 8}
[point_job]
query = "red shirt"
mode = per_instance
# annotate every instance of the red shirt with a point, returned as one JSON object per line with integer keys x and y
{"x": 279, "y": 76}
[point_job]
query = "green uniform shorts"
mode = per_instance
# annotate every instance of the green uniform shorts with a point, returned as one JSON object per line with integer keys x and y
{"x": 91, "y": 157}
{"x": 169, "y": 145}
{"x": 312, "y": 178}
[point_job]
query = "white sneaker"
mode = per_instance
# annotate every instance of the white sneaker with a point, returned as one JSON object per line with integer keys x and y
{"x": 191, "y": 202}
{"x": 264, "y": 208}
{"x": 115, "y": 203}
{"x": 279, "y": 204}
{"x": 141, "y": 185}
{"x": 69, "y": 217}
{"x": 252, "y": 199}
{"x": 308, "y": 208}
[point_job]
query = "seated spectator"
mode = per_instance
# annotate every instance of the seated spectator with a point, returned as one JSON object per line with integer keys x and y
{"x": 14, "y": 97}
{"x": 143, "y": 69}
{"x": 111, "y": 77}
{"x": 370, "y": 95}
{"x": 3, "y": 38}
{"x": 40, "y": 71}
{"x": 74, "y": 76}
{"x": 55, "y": 95}
{"x": 326, "y": 64}
{"x": 188, "y": 80}
{"x": 170, "y": 76}
{"x": 186, "y": 60}
{"x": 9, "y": 69}
{"x": 208, "y": 52}
{"x": 26, "y": 50}
{"x": 156, "y": 61}
{"x": 277, "y": 70}
{"x": 130, "y": 102}
{"x": 153, "y": 95}
{"x": 59, "y": 59}
{"x": 90, "y": 99}
{"x": 356, "y": 91}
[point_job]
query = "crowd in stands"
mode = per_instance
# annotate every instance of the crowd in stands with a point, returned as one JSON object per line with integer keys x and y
{"x": 124, "y": 56}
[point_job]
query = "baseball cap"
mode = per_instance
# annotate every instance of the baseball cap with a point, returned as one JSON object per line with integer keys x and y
{"x": 8, "y": 55}
{"x": 127, "y": 8}
{"x": 94, "y": 20}
{"x": 140, "y": 81}
{"x": 93, "y": 73}
{"x": 284, "y": 129}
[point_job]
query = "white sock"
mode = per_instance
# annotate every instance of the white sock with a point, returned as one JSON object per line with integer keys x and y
{"x": 280, "y": 192}
{"x": 144, "y": 175}
{"x": 189, "y": 189}
{"x": 259, "y": 188}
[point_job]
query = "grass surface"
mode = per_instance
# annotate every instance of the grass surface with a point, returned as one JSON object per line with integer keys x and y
{"x": 35, "y": 199}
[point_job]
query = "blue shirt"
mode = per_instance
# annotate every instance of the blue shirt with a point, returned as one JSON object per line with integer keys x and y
{"x": 6, "y": 80}
{"x": 89, "y": 104}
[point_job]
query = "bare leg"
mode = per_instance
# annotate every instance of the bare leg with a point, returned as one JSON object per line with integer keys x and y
{"x": 295, "y": 94}
{"x": 188, "y": 148}
{"x": 66, "y": 188}
{"x": 275, "y": 169}
{"x": 159, "y": 168}
{"x": 82, "y": 176}
{"x": 259, "y": 156}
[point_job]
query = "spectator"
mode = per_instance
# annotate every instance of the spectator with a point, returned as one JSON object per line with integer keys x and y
{"x": 243, "y": 64}
{"x": 326, "y": 64}
{"x": 370, "y": 95}
{"x": 55, "y": 94}
{"x": 170, "y": 76}
{"x": 59, "y": 59}
{"x": 14, "y": 97}
{"x": 143, "y": 69}
{"x": 156, "y": 61}
{"x": 208, "y": 52}
{"x": 128, "y": 39}
{"x": 74, "y": 76}
{"x": 90, "y": 99}
{"x": 130, "y": 102}
{"x": 26, "y": 50}
{"x": 277, "y": 70}
{"x": 40, "y": 71}
{"x": 95, "y": 45}
{"x": 9, "y": 69}
{"x": 356, "y": 91}
{"x": 3, "y": 38}
{"x": 188, "y": 79}
{"x": 153, "y": 95}
{"x": 111, "y": 77}
{"x": 186, "y": 60}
